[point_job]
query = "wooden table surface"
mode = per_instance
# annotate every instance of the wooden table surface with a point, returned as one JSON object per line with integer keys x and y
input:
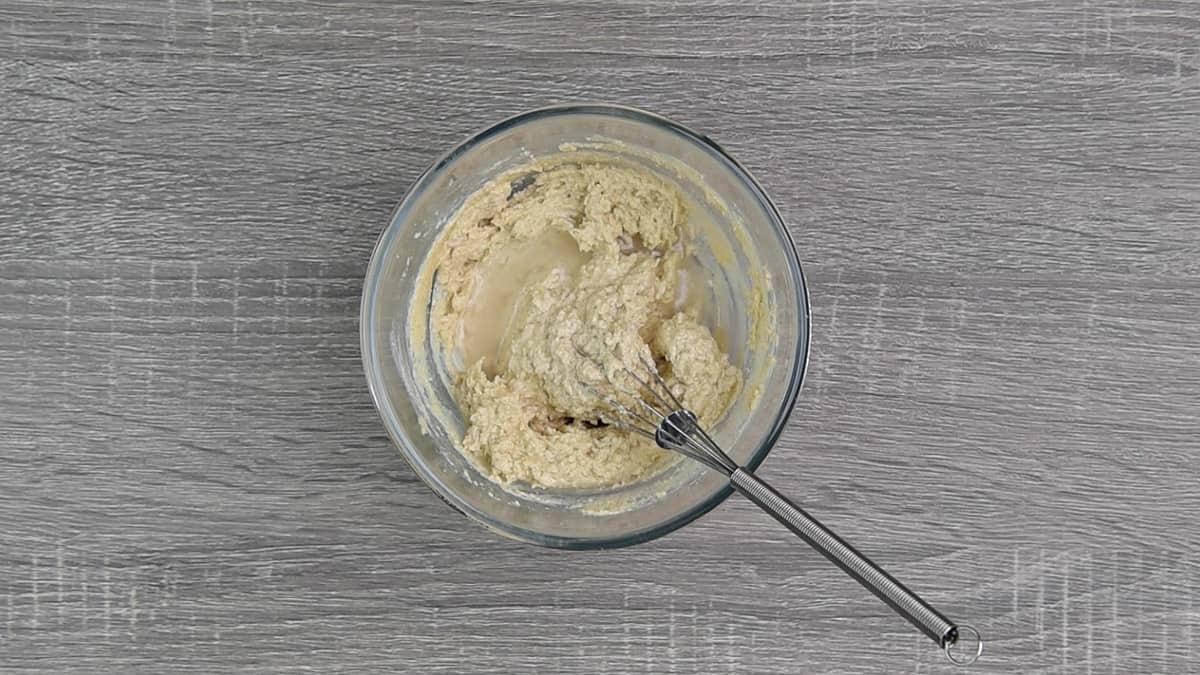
{"x": 997, "y": 204}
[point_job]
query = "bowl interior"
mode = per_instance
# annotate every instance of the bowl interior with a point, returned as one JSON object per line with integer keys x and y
{"x": 757, "y": 307}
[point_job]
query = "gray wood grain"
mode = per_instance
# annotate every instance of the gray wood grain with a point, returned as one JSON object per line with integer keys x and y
{"x": 998, "y": 205}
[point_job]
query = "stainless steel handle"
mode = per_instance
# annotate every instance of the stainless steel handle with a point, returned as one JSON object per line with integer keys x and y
{"x": 906, "y": 603}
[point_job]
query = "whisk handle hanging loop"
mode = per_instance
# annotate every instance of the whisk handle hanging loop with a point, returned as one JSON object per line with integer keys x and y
{"x": 905, "y": 603}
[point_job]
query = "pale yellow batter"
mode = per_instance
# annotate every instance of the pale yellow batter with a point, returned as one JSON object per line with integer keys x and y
{"x": 552, "y": 280}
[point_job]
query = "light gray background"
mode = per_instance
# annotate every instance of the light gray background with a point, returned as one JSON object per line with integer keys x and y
{"x": 997, "y": 203}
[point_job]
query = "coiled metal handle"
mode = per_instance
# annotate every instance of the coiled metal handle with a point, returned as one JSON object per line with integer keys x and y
{"x": 906, "y": 603}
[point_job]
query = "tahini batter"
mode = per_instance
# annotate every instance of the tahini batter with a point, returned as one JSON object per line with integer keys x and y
{"x": 550, "y": 281}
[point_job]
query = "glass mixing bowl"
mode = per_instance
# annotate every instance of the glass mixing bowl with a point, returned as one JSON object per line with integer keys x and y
{"x": 766, "y": 335}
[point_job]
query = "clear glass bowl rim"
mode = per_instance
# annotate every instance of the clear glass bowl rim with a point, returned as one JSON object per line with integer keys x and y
{"x": 372, "y": 363}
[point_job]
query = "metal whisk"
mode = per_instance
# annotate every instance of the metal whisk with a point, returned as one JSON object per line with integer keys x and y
{"x": 658, "y": 415}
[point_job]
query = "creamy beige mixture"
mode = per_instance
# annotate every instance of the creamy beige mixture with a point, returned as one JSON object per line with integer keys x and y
{"x": 551, "y": 281}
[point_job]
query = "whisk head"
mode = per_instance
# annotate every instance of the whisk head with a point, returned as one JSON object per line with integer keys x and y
{"x": 652, "y": 410}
